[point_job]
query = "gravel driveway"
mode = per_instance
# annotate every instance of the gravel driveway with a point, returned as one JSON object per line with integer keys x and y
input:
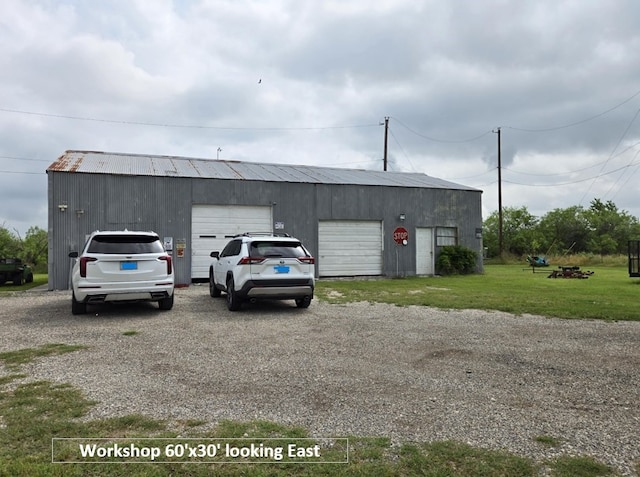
{"x": 486, "y": 378}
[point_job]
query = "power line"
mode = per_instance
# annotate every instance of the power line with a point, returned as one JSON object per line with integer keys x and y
{"x": 556, "y": 174}
{"x": 628, "y": 178}
{"x": 564, "y": 126}
{"x": 353, "y": 126}
{"x": 553, "y": 128}
{"x": 577, "y": 181}
{"x": 487, "y": 184}
{"x": 185, "y": 126}
{"x": 440, "y": 140}
{"x": 25, "y": 159}
{"x": 403, "y": 151}
{"x": 573, "y": 171}
{"x": 18, "y": 172}
{"x": 350, "y": 163}
{"x": 625, "y": 182}
{"x": 610, "y": 155}
{"x": 472, "y": 177}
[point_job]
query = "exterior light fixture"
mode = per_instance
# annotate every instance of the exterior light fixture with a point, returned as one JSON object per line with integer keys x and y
{"x": 62, "y": 207}
{"x": 402, "y": 217}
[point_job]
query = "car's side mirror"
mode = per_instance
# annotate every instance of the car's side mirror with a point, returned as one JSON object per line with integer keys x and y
{"x": 73, "y": 254}
{"x": 214, "y": 254}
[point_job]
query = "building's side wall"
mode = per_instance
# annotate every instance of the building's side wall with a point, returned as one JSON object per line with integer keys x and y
{"x": 107, "y": 202}
{"x": 163, "y": 204}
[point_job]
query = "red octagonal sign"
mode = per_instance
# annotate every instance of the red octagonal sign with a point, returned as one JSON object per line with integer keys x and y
{"x": 400, "y": 234}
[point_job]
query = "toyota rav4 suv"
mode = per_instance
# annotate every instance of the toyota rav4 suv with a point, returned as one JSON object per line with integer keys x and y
{"x": 262, "y": 266}
{"x": 121, "y": 266}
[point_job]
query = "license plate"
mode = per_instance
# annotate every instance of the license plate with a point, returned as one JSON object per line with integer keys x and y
{"x": 128, "y": 265}
{"x": 281, "y": 269}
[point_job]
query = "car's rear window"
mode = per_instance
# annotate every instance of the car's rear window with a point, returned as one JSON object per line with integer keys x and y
{"x": 277, "y": 249}
{"x": 128, "y": 244}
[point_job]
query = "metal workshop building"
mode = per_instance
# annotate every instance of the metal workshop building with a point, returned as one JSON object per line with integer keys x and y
{"x": 355, "y": 222}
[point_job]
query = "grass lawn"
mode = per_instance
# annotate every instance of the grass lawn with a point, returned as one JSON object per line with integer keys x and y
{"x": 38, "y": 279}
{"x": 608, "y": 294}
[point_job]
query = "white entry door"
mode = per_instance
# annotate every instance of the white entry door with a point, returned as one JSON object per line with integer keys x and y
{"x": 424, "y": 251}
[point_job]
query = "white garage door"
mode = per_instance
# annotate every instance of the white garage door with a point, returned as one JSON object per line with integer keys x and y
{"x": 349, "y": 247}
{"x": 213, "y": 225}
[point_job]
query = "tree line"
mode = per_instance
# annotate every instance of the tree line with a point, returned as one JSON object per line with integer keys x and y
{"x": 32, "y": 249}
{"x": 600, "y": 229}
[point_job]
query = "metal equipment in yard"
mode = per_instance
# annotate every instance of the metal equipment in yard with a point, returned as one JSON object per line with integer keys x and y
{"x": 13, "y": 270}
{"x": 536, "y": 261}
{"x": 539, "y": 261}
{"x": 633, "y": 248}
{"x": 570, "y": 272}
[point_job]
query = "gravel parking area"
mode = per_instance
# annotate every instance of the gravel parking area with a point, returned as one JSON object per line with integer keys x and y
{"x": 486, "y": 378}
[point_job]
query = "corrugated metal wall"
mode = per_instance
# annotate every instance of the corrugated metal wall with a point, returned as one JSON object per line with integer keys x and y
{"x": 105, "y": 202}
{"x": 80, "y": 203}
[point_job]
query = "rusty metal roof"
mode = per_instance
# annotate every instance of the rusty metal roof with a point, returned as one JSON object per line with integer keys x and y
{"x": 96, "y": 162}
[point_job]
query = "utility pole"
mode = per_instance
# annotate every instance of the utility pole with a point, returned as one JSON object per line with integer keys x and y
{"x": 386, "y": 135}
{"x": 500, "y": 241}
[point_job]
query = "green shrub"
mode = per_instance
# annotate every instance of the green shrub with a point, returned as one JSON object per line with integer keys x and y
{"x": 456, "y": 259}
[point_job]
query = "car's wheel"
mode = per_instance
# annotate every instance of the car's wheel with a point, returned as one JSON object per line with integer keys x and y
{"x": 214, "y": 291}
{"x": 17, "y": 279}
{"x": 166, "y": 303}
{"x": 233, "y": 300}
{"x": 303, "y": 302}
{"x": 77, "y": 308}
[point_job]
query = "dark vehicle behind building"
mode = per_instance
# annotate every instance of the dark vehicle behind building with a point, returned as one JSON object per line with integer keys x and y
{"x": 13, "y": 270}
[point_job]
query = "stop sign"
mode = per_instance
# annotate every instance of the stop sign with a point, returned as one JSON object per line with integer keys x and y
{"x": 400, "y": 235}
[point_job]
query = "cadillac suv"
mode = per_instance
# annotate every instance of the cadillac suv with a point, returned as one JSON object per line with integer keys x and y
{"x": 121, "y": 266}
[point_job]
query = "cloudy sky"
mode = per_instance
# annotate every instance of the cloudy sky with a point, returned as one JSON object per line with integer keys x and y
{"x": 311, "y": 82}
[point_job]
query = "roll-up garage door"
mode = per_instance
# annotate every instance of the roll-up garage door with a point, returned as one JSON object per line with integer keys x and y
{"x": 349, "y": 248}
{"x": 213, "y": 225}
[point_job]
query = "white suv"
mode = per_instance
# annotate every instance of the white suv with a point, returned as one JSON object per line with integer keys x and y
{"x": 262, "y": 266}
{"x": 121, "y": 266}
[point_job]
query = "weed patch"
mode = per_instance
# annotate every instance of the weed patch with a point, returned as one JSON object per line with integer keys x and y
{"x": 33, "y": 413}
{"x": 14, "y": 359}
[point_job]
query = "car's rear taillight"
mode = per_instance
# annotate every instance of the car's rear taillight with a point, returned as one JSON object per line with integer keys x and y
{"x": 250, "y": 260}
{"x": 83, "y": 265}
{"x": 307, "y": 260}
{"x": 167, "y": 258}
